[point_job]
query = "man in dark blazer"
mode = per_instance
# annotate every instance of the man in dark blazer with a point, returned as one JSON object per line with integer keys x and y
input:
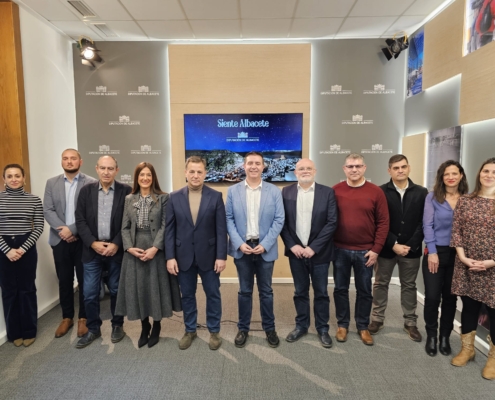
{"x": 403, "y": 246}
{"x": 196, "y": 243}
{"x": 310, "y": 222}
{"x": 99, "y": 212}
{"x": 59, "y": 205}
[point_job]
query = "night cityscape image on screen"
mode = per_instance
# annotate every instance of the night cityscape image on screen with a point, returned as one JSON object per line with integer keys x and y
{"x": 224, "y": 139}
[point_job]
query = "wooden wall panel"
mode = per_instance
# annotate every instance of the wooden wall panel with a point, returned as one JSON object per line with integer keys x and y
{"x": 414, "y": 148}
{"x": 210, "y": 79}
{"x": 478, "y": 86}
{"x": 443, "y": 45}
{"x": 13, "y": 130}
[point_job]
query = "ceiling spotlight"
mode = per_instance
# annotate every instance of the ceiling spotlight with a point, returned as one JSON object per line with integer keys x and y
{"x": 395, "y": 46}
{"x": 89, "y": 52}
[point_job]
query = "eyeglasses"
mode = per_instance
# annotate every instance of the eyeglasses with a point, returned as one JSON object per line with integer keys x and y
{"x": 359, "y": 166}
{"x": 302, "y": 169}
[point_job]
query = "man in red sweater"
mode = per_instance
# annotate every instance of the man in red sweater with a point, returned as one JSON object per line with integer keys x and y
{"x": 361, "y": 233}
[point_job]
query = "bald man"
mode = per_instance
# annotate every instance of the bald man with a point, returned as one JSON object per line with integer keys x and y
{"x": 99, "y": 212}
{"x": 310, "y": 222}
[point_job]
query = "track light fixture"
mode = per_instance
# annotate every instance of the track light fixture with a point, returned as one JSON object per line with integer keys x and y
{"x": 395, "y": 46}
{"x": 89, "y": 52}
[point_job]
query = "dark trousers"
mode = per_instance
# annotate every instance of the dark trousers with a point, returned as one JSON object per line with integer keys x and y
{"x": 438, "y": 288}
{"x": 470, "y": 315}
{"x": 344, "y": 262}
{"x": 92, "y": 282}
{"x": 17, "y": 281}
{"x": 302, "y": 270}
{"x": 249, "y": 266}
{"x": 68, "y": 256}
{"x": 188, "y": 282}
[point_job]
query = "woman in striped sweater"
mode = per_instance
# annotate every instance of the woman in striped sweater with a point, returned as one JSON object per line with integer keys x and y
{"x": 21, "y": 224}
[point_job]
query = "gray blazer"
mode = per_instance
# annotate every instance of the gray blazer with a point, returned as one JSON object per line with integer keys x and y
{"x": 54, "y": 204}
{"x": 156, "y": 217}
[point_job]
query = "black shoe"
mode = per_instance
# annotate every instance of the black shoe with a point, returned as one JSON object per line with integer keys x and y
{"x": 241, "y": 338}
{"x": 444, "y": 346}
{"x": 117, "y": 334}
{"x": 272, "y": 339}
{"x": 295, "y": 335}
{"x": 325, "y": 339}
{"x": 145, "y": 332}
{"x": 155, "y": 333}
{"x": 431, "y": 346}
{"x": 87, "y": 339}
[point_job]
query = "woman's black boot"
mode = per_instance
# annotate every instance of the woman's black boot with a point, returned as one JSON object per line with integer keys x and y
{"x": 145, "y": 332}
{"x": 155, "y": 333}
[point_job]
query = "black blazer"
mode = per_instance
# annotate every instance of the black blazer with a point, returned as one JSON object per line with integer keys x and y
{"x": 206, "y": 241}
{"x": 87, "y": 218}
{"x": 323, "y": 222}
{"x": 406, "y": 219}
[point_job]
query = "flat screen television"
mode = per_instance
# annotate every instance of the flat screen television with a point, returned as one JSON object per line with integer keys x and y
{"x": 224, "y": 139}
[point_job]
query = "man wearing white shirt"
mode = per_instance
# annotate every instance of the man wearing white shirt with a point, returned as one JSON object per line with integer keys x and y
{"x": 59, "y": 206}
{"x": 310, "y": 222}
{"x": 255, "y": 217}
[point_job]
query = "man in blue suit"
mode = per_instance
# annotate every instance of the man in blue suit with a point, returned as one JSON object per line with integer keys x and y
{"x": 196, "y": 243}
{"x": 255, "y": 217}
{"x": 310, "y": 222}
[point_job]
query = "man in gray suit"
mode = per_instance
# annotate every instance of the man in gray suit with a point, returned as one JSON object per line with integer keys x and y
{"x": 59, "y": 205}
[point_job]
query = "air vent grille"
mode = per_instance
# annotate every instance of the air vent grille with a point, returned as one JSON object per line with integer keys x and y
{"x": 82, "y": 8}
{"x": 104, "y": 29}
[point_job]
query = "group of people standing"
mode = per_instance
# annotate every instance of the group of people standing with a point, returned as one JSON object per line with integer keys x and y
{"x": 152, "y": 246}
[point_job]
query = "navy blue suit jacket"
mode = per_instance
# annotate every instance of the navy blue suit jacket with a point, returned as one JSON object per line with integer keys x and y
{"x": 323, "y": 223}
{"x": 206, "y": 241}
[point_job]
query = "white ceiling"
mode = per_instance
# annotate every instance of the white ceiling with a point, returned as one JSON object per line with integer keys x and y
{"x": 237, "y": 19}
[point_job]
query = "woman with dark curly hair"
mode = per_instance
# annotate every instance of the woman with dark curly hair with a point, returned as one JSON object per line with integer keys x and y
{"x": 438, "y": 261}
{"x": 474, "y": 273}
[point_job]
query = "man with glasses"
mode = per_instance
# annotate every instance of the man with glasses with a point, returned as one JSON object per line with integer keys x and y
{"x": 310, "y": 222}
{"x": 361, "y": 234}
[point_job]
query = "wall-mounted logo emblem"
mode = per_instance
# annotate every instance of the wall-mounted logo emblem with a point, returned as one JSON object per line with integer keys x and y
{"x": 104, "y": 149}
{"x": 146, "y": 149}
{"x": 124, "y": 120}
{"x": 335, "y": 149}
{"x": 336, "y": 90}
{"x": 379, "y": 89}
{"x": 101, "y": 91}
{"x": 143, "y": 91}
{"x": 126, "y": 178}
{"x": 376, "y": 149}
{"x": 358, "y": 119}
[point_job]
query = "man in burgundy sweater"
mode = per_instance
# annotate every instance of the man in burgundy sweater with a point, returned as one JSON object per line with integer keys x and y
{"x": 361, "y": 233}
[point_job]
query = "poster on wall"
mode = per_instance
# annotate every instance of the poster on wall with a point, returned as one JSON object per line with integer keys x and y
{"x": 224, "y": 139}
{"x": 415, "y": 63}
{"x": 443, "y": 145}
{"x": 478, "y": 24}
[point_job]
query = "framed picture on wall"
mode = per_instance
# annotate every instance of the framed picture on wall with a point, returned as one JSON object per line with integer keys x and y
{"x": 443, "y": 145}
{"x": 479, "y": 24}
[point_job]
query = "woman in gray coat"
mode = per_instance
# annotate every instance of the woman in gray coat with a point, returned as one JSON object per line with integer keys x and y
{"x": 146, "y": 289}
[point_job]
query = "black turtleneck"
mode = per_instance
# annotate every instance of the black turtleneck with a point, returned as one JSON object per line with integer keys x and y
{"x": 20, "y": 213}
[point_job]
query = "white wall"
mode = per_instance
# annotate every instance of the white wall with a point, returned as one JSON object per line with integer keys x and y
{"x": 51, "y": 126}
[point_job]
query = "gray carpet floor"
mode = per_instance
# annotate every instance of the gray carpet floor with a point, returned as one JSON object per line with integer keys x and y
{"x": 394, "y": 368}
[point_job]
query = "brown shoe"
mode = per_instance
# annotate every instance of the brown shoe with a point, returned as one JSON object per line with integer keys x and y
{"x": 215, "y": 341}
{"x": 375, "y": 326}
{"x": 186, "y": 340}
{"x": 366, "y": 337}
{"x": 18, "y": 342}
{"x": 467, "y": 352}
{"x": 82, "y": 329}
{"x": 341, "y": 334}
{"x": 64, "y": 327}
{"x": 413, "y": 333}
{"x": 489, "y": 370}
{"x": 28, "y": 342}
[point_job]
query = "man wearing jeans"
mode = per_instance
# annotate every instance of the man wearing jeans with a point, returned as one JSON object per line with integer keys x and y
{"x": 403, "y": 247}
{"x": 99, "y": 212}
{"x": 310, "y": 222}
{"x": 361, "y": 233}
{"x": 255, "y": 217}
